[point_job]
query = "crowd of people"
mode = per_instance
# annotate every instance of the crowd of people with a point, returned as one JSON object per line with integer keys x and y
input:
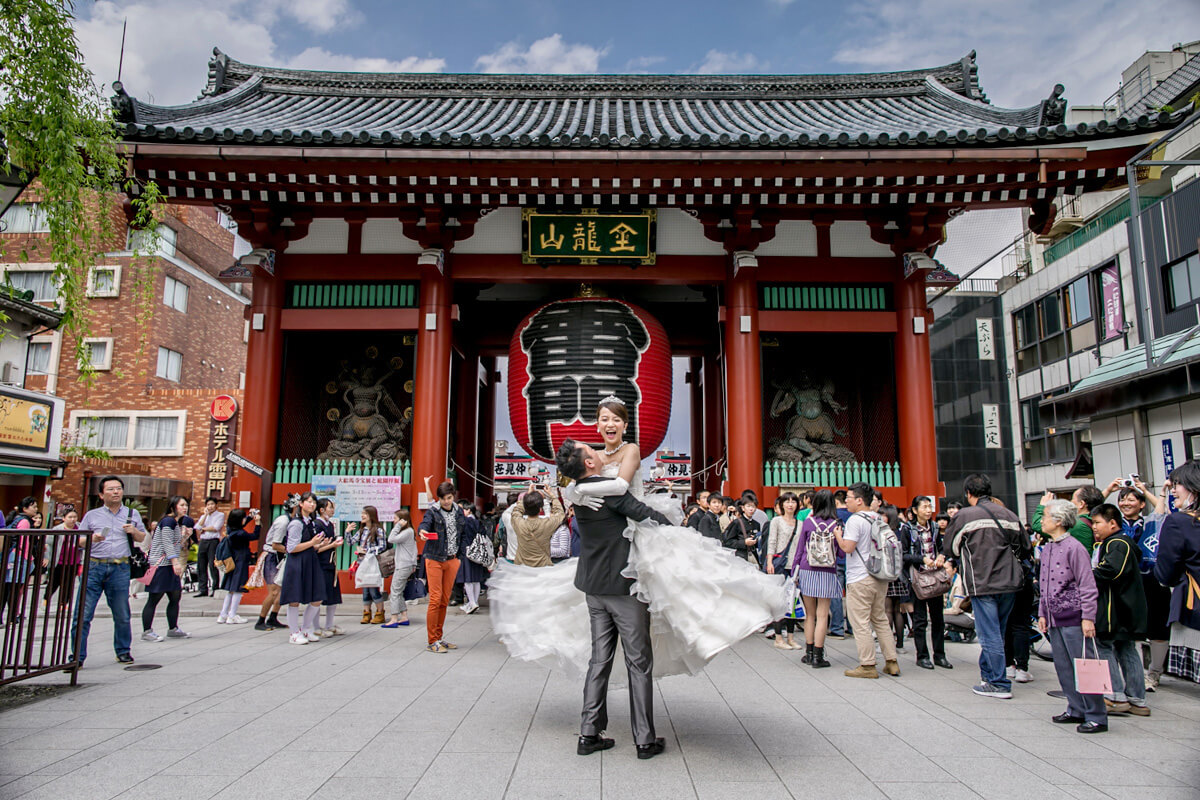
{"x": 1095, "y": 575}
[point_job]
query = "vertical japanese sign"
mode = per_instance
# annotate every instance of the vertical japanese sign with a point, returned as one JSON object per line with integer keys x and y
{"x": 987, "y": 345}
{"x": 1168, "y": 451}
{"x": 588, "y": 237}
{"x": 991, "y": 426}
{"x": 1113, "y": 312}
{"x": 222, "y": 432}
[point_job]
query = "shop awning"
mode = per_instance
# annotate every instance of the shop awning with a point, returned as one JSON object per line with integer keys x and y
{"x": 10, "y": 469}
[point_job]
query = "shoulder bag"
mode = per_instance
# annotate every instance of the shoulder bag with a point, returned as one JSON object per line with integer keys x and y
{"x": 780, "y": 561}
{"x": 139, "y": 562}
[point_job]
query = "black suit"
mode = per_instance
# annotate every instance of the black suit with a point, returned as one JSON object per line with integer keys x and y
{"x": 613, "y": 612}
{"x": 709, "y": 525}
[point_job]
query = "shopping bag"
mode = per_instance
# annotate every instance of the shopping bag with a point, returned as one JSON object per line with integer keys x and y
{"x": 368, "y": 574}
{"x": 1092, "y": 675}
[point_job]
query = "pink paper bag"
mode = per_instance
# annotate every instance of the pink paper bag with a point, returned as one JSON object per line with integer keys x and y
{"x": 1092, "y": 675}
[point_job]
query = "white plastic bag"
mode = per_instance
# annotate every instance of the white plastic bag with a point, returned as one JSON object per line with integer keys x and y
{"x": 368, "y": 574}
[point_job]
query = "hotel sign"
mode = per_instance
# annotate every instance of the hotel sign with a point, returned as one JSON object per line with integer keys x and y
{"x": 24, "y": 423}
{"x": 588, "y": 237}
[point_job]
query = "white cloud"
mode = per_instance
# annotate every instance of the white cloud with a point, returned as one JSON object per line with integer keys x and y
{"x": 719, "y": 61}
{"x": 169, "y": 42}
{"x": 780, "y": 3}
{"x": 322, "y": 59}
{"x": 1024, "y": 46}
{"x": 548, "y": 55}
{"x": 643, "y": 63}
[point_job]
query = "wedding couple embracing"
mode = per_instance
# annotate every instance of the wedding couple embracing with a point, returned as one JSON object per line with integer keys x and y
{"x": 673, "y": 598}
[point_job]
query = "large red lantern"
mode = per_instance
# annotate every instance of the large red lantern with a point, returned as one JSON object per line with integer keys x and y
{"x": 568, "y": 355}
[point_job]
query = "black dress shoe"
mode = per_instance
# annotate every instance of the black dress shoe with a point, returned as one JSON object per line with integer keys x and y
{"x": 1092, "y": 727}
{"x": 1066, "y": 719}
{"x": 943, "y": 662}
{"x": 652, "y": 749}
{"x": 124, "y": 658}
{"x": 924, "y": 663}
{"x": 200, "y": 594}
{"x": 591, "y": 744}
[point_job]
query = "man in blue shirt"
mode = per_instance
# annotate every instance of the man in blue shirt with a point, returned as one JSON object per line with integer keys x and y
{"x": 111, "y": 527}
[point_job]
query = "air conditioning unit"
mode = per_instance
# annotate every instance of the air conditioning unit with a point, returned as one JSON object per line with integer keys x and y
{"x": 9, "y": 372}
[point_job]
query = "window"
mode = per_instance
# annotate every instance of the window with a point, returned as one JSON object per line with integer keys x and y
{"x": 170, "y": 364}
{"x": 156, "y": 433}
{"x": 150, "y": 433}
{"x": 1047, "y": 441}
{"x": 139, "y": 241}
{"x": 39, "y": 357}
{"x": 39, "y": 281}
{"x": 175, "y": 294}
{"x": 24, "y": 218}
{"x": 1183, "y": 282}
{"x": 1079, "y": 301}
{"x": 99, "y": 353}
{"x": 104, "y": 281}
{"x": 105, "y": 433}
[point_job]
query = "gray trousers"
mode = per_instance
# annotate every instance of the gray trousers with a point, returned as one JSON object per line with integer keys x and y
{"x": 625, "y": 616}
{"x": 1067, "y": 645}
{"x": 396, "y": 595}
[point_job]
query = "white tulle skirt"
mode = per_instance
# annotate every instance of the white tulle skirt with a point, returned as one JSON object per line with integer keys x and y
{"x": 702, "y": 599}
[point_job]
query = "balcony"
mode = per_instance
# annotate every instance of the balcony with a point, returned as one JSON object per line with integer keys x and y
{"x": 1094, "y": 227}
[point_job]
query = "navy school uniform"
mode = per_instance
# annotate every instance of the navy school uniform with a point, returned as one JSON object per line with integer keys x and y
{"x": 328, "y": 561}
{"x": 303, "y": 578}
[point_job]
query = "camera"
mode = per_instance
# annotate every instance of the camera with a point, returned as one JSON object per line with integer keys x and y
{"x": 1130, "y": 482}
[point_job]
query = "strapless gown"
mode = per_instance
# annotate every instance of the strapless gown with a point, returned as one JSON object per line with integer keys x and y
{"x": 702, "y": 598}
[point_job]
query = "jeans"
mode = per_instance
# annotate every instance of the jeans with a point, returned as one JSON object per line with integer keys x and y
{"x": 837, "y": 624}
{"x": 372, "y": 594}
{"x": 1125, "y": 666}
{"x": 111, "y": 580}
{"x": 991, "y": 616}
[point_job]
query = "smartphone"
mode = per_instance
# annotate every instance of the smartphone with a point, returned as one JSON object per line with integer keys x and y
{"x": 431, "y": 535}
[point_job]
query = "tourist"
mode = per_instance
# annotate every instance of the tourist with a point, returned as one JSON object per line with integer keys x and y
{"x": 472, "y": 576}
{"x": 1085, "y": 498}
{"x": 1121, "y": 611}
{"x": 692, "y": 520}
{"x": 838, "y": 627}
{"x": 1144, "y": 530}
{"x": 67, "y": 563}
{"x": 985, "y": 542}
{"x": 20, "y": 561}
{"x": 952, "y": 510}
{"x": 815, "y": 571}
{"x": 1178, "y": 566}
{"x": 404, "y": 540}
{"x": 898, "y": 601}
{"x": 303, "y": 579}
{"x": 114, "y": 530}
{"x": 865, "y": 594}
{"x": 709, "y": 523}
{"x": 691, "y": 515}
{"x": 240, "y": 534}
{"x": 164, "y": 558}
{"x": 533, "y": 532}
{"x": 782, "y": 541}
{"x": 210, "y": 525}
{"x": 442, "y": 531}
{"x": 741, "y": 536}
{"x": 1019, "y": 629}
{"x": 326, "y": 552}
{"x": 369, "y": 540}
{"x": 1067, "y": 611}
{"x": 922, "y": 543}
{"x": 272, "y": 559}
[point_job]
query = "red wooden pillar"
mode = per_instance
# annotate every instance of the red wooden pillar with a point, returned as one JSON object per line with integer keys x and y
{"x": 259, "y": 427}
{"x": 431, "y": 391}
{"x": 714, "y": 421}
{"x": 695, "y": 382}
{"x": 743, "y": 380}
{"x": 466, "y": 420}
{"x": 914, "y": 391}
{"x": 485, "y": 452}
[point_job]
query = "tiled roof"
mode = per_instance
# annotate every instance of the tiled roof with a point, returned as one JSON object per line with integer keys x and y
{"x": 929, "y": 107}
{"x": 1174, "y": 87}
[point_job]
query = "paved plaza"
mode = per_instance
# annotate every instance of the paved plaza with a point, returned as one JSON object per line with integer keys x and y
{"x": 237, "y": 714}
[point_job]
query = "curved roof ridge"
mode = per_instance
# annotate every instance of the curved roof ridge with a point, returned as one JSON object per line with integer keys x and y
{"x": 960, "y": 77}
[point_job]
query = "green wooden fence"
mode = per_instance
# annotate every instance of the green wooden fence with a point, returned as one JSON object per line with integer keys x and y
{"x": 813, "y": 297}
{"x": 352, "y": 295}
{"x": 831, "y": 473}
{"x": 302, "y": 470}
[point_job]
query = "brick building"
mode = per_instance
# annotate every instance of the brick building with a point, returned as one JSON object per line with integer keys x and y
{"x": 165, "y": 339}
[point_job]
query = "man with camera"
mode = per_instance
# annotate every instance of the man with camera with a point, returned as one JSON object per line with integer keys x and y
{"x": 533, "y": 532}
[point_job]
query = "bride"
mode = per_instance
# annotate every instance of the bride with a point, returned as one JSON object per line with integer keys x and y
{"x": 702, "y": 598}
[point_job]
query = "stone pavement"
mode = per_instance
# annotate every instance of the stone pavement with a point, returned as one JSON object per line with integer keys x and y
{"x": 235, "y": 713}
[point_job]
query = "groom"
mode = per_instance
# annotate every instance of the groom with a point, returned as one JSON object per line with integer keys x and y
{"x": 612, "y": 609}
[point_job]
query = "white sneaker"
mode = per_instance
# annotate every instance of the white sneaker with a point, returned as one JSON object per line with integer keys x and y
{"x": 236, "y": 620}
{"x": 1010, "y": 672}
{"x": 770, "y": 634}
{"x": 151, "y": 636}
{"x": 1022, "y": 676}
{"x": 318, "y": 631}
{"x": 337, "y": 630}
{"x": 298, "y": 638}
{"x": 471, "y": 609}
{"x": 222, "y": 620}
{"x": 312, "y": 637}
{"x": 325, "y": 634}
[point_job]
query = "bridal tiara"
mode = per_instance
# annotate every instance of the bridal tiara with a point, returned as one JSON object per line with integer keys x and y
{"x": 612, "y": 398}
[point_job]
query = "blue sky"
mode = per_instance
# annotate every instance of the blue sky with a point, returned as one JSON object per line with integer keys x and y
{"x": 1024, "y": 46}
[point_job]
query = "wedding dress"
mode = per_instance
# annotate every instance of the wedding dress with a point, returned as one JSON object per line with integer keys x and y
{"x": 702, "y": 598}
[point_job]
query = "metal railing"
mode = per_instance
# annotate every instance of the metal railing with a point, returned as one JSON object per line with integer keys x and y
{"x": 1094, "y": 227}
{"x": 41, "y": 601}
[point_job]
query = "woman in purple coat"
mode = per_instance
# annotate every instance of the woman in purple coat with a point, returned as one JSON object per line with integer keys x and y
{"x": 1067, "y": 612}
